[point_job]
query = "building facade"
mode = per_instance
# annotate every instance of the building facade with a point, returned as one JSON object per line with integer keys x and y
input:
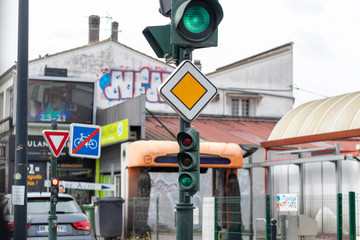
{"x": 257, "y": 87}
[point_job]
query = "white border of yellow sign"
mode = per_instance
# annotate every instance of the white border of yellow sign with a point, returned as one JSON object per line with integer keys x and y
{"x": 175, "y": 103}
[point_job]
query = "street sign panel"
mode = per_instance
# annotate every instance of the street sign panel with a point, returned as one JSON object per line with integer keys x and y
{"x": 85, "y": 140}
{"x": 187, "y": 91}
{"x": 115, "y": 132}
{"x": 56, "y": 140}
{"x": 83, "y": 185}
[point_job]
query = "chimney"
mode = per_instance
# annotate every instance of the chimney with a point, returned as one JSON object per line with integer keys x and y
{"x": 94, "y": 28}
{"x": 114, "y": 31}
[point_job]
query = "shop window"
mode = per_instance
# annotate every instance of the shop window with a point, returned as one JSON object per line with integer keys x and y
{"x": 107, "y": 180}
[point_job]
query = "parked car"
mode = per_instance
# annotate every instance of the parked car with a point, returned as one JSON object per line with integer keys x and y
{"x": 72, "y": 223}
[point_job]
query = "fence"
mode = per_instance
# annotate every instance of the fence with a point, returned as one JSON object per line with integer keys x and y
{"x": 239, "y": 218}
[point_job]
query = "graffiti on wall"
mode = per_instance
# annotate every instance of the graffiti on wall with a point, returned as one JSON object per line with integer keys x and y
{"x": 162, "y": 185}
{"x": 123, "y": 84}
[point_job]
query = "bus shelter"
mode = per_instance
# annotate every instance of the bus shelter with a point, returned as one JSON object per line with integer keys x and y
{"x": 313, "y": 151}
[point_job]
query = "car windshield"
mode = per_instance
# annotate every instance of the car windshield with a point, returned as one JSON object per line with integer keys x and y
{"x": 42, "y": 205}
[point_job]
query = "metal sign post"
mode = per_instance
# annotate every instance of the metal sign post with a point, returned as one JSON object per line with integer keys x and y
{"x": 56, "y": 141}
{"x": 184, "y": 208}
{"x": 52, "y": 217}
{"x": 186, "y": 90}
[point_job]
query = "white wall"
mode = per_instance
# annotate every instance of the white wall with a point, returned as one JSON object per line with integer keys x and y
{"x": 5, "y": 95}
{"x": 122, "y": 73}
{"x": 268, "y": 81}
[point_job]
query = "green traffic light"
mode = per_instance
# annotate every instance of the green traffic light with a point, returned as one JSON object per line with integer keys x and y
{"x": 186, "y": 180}
{"x": 196, "y": 19}
{"x": 194, "y": 23}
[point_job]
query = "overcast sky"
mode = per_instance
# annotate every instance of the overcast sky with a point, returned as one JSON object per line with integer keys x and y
{"x": 325, "y": 33}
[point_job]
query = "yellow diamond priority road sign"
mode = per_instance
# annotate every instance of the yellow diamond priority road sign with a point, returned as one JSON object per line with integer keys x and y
{"x": 187, "y": 91}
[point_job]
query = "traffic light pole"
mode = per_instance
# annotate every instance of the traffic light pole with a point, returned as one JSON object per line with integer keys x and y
{"x": 52, "y": 217}
{"x": 193, "y": 25}
{"x": 184, "y": 208}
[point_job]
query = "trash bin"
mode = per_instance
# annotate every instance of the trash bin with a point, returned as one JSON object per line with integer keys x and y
{"x": 89, "y": 212}
{"x": 108, "y": 216}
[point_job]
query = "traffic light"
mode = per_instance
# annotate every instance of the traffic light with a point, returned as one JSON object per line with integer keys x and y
{"x": 54, "y": 192}
{"x": 159, "y": 39}
{"x": 194, "y": 23}
{"x": 189, "y": 161}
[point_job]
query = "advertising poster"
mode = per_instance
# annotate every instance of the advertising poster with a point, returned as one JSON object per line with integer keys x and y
{"x": 60, "y": 101}
{"x": 286, "y": 202}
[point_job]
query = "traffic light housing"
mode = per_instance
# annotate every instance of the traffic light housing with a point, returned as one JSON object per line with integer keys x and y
{"x": 54, "y": 191}
{"x": 159, "y": 39}
{"x": 194, "y": 23}
{"x": 189, "y": 161}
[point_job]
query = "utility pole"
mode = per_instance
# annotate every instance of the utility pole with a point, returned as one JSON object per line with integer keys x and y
{"x": 19, "y": 191}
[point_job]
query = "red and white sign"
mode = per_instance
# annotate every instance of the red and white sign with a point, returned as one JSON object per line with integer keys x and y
{"x": 56, "y": 140}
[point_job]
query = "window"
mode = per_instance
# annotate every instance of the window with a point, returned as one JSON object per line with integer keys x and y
{"x": 42, "y": 205}
{"x": 8, "y": 102}
{"x": 107, "y": 180}
{"x": 5, "y": 206}
{"x": 245, "y": 107}
{"x": 235, "y": 107}
{"x": 1, "y": 105}
{"x": 240, "y": 106}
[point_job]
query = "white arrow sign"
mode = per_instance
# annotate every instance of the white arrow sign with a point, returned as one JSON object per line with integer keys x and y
{"x": 84, "y": 185}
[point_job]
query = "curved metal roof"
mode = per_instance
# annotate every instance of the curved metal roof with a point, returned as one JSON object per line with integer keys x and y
{"x": 321, "y": 116}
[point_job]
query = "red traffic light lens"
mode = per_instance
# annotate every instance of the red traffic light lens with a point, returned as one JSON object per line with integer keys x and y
{"x": 187, "y": 141}
{"x": 55, "y": 181}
